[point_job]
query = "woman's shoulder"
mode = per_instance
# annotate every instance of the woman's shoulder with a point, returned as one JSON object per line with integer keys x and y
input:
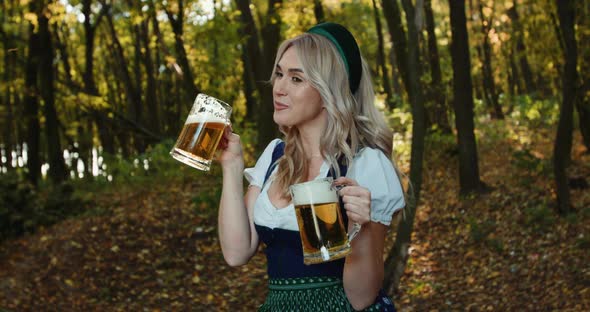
{"x": 371, "y": 154}
{"x": 270, "y": 147}
{"x": 255, "y": 175}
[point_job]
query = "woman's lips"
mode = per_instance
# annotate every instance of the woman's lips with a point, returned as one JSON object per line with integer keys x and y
{"x": 280, "y": 106}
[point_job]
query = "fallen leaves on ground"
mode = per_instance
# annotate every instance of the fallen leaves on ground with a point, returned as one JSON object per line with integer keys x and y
{"x": 154, "y": 251}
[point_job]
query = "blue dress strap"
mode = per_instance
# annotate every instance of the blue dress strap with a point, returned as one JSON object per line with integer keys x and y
{"x": 276, "y": 154}
{"x": 279, "y": 151}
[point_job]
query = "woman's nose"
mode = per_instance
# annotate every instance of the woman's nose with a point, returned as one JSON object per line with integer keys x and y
{"x": 279, "y": 87}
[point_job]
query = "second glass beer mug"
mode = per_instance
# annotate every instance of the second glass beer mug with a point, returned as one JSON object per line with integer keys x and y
{"x": 323, "y": 235}
{"x": 202, "y": 132}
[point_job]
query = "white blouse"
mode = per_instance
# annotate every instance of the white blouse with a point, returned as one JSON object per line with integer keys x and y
{"x": 370, "y": 168}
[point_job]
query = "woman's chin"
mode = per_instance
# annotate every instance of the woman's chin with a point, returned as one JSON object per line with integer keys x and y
{"x": 280, "y": 120}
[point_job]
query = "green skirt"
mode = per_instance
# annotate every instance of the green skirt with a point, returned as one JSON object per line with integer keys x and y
{"x": 308, "y": 294}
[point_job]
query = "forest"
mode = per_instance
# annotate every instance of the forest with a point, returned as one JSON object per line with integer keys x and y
{"x": 489, "y": 102}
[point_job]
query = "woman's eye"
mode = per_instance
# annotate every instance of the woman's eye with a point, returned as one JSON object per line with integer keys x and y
{"x": 278, "y": 74}
{"x": 296, "y": 79}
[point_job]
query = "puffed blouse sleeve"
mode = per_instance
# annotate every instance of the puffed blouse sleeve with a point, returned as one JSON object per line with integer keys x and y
{"x": 373, "y": 170}
{"x": 255, "y": 175}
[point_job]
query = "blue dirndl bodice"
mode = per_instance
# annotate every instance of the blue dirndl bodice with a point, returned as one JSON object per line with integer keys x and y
{"x": 314, "y": 287}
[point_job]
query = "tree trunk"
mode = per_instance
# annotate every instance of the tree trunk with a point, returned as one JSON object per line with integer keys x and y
{"x": 397, "y": 88}
{"x": 132, "y": 94}
{"x": 381, "y": 59}
{"x": 57, "y": 168}
{"x": 392, "y": 15}
{"x": 439, "y": 115}
{"x": 151, "y": 97}
{"x": 487, "y": 70}
{"x": 249, "y": 87}
{"x": 583, "y": 94}
{"x": 104, "y": 131}
{"x": 60, "y": 45}
{"x": 318, "y": 11}
{"x": 583, "y": 108}
{"x": 139, "y": 141}
{"x": 271, "y": 37}
{"x": 563, "y": 139}
{"x": 463, "y": 100}
{"x": 525, "y": 67}
{"x": 398, "y": 256}
{"x": 6, "y": 99}
{"x": 31, "y": 103}
{"x": 89, "y": 33}
{"x": 260, "y": 65}
{"x": 518, "y": 87}
{"x": 177, "y": 24}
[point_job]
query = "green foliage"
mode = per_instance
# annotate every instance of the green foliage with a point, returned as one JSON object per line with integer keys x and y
{"x": 156, "y": 163}
{"x": 479, "y": 231}
{"x": 248, "y": 136}
{"x": 23, "y": 210}
{"x": 525, "y": 160}
{"x": 535, "y": 112}
{"x": 18, "y": 200}
{"x": 539, "y": 217}
{"x": 205, "y": 203}
{"x": 583, "y": 242}
{"x": 400, "y": 122}
{"x": 529, "y": 167}
{"x": 482, "y": 232}
{"x": 440, "y": 140}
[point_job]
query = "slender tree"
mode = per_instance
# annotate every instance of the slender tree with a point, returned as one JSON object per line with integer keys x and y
{"x": 438, "y": 110}
{"x": 583, "y": 94}
{"x": 485, "y": 51}
{"x": 57, "y": 168}
{"x": 8, "y": 76}
{"x": 392, "y": 14}
{"x": 463, "y": 100}
{"x": 31, "y": 102}
{"x": 520, "y": 49}
{"x": 397, "y": 258}
{"x": 130, "y": 87}
{"x": 381, "y": 58}
{"x": 318, "y": 11}
{"x": 177, "y": 23}
{"x": 260, "y": 64}
{"x": 151, "y": 96}
{"x": 271, "y": 37}
{"x": 563, "y": 140}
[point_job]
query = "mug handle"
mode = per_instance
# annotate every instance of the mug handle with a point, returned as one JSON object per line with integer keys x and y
{"x": 356, "y": 227}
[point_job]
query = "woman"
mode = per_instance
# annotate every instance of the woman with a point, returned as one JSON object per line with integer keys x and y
{"x": 324, "y": 106}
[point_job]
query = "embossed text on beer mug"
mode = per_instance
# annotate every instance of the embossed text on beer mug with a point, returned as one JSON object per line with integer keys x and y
{"x": 202, "y": 132}
{"x": 321, "y": 227}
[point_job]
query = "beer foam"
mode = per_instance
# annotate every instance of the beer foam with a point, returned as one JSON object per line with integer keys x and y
{"x": 201, "y": 119}
{"x": 316, "y": 192}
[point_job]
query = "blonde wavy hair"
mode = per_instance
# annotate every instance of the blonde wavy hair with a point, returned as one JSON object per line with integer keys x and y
{"x": 353, "y": 120}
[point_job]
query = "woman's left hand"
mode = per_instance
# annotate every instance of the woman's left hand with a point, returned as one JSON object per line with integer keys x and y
{"x": 356, "y": 199}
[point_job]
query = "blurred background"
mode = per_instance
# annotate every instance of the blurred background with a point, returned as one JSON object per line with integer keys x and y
{"x": 489, "y": 101}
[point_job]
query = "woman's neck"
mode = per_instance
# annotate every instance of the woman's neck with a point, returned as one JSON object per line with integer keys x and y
{"x": 311, "y": 135}
{"x": 311, "y": 145}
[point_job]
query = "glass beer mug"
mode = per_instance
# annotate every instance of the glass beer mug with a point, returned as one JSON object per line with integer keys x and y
{"x": 202, "y": 132}
{"x": 323, "y": 235}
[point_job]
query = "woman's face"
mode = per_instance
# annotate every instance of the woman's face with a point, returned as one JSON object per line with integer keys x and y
{"x": 296, "y": 102}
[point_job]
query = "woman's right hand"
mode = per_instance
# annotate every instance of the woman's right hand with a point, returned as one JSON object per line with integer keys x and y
{"x": 230, "y": 148}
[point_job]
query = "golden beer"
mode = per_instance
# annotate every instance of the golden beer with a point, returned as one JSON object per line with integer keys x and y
{"x": 326, "y": 231}
{"x": 322, "y": 231}
{"x": 202, "y": 132}
{"x": 200, "y": 138}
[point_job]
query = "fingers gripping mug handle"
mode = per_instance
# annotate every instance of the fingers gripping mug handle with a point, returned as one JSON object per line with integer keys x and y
{"x": 356, "y": 227}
